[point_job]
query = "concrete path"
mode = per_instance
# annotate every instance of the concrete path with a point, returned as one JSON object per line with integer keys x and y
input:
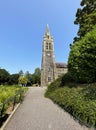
{"x": 39, "y": 113}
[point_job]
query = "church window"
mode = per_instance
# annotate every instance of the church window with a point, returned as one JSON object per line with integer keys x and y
{"x": 49, "y": 69}
{"x": 47, "y": 46}
{"x": 62, "y": 69}
{"x": 48, "y": 36}
{"x": 49, "y": 79}
{"x": 59, "y": 74}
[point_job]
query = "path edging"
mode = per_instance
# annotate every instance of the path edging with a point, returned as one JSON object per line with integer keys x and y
{"x": 6, "y": 122}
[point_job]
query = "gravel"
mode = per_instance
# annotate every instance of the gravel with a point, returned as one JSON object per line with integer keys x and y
{"x": 39, "y": 113}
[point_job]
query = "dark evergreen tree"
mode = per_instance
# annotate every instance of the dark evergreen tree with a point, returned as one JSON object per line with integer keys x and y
{"x": 85, "y": 17}
{"x": 37, "y": 75}
{"x": 4, "y": 76}
{"x": 13, "y": 79}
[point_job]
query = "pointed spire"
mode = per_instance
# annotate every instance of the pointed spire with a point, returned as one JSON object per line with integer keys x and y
{"x": 47, "y": 30}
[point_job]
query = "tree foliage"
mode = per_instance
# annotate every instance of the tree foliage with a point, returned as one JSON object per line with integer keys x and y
{"x": 29, "y": 78}
{"x": 82, "y": 59}
{"x": 23, "y": 80}
{"x": 13, "y": 79}
{"x": 36, "y": 76}
{"x": 85, "y": 17}
{"x": 21, "y": 73}
{"x": 4, "y": 76}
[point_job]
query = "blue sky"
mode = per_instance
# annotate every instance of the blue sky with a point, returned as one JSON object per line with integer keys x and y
{"x": 22, "y": 27}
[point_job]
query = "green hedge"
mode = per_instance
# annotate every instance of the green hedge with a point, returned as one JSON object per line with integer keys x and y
{"x": 79, "y": 102}
{"x": 54, "y": 85}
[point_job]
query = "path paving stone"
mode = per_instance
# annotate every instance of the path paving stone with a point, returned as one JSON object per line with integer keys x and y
{"x": 39, "y": 113}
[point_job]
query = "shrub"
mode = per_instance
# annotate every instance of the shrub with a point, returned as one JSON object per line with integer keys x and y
{"x": 54, "y": 85}
{"x": 67, "y": 79}
{"x": 80, "y": 102}
{"x": 82, "y": 59}
{"x": 7, "y": 95}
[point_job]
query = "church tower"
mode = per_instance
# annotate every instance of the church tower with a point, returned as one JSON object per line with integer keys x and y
{"x": 48, "y": 59}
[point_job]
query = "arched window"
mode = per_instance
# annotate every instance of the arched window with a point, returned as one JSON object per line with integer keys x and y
{"x": 47, "y": 46}
{"x": 49, "y": 69}
{"x": 49, "y": 79}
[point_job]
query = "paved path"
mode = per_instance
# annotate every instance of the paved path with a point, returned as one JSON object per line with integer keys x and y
{"x": 39, "y": 113}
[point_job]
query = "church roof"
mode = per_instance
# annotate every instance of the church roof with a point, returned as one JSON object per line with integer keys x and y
{"x": 61, "y": 65}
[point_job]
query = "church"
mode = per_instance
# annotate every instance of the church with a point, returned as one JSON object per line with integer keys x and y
{"x": 50, "y": 70}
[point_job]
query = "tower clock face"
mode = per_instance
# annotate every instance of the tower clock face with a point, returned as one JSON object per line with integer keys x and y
{"x": 48, "y": 54}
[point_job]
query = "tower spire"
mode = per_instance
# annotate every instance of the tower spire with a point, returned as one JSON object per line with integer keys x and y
{"x": 47, "y": 30}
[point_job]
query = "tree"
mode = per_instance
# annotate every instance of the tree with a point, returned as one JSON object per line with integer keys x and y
{"x": 85, "y": 17}
{"x": 13, "y": 79}
{"x": 4, "y": 76}
{"x": 37, "y": 75}
{"x": 21, "y": 73}
{"x": 33, "y": 79}
{"x": 23, "y": 80}
{"x": 29, "y": 78}
{"x": 82, "y": 59}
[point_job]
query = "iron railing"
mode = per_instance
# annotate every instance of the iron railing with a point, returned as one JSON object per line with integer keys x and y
{"x": 18, "y": 97}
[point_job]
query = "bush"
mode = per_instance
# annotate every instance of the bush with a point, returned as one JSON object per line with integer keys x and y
{"x": 67, "y": 79}
{"x": 54, "y": 85}
{"x": 9, "y": 92}
{"x": 82, "y": 59}
{"x": 80, "y": 102}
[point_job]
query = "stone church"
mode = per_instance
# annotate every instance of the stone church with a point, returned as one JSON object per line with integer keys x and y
{"x": 50, "y": 70}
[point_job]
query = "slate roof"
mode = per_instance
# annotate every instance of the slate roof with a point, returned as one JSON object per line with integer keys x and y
{"x": 61, "y": 65}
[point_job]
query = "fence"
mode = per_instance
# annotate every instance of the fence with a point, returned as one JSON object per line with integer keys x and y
{"x": 13, "y": 100}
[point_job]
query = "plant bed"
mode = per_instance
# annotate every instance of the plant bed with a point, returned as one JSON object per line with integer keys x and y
{"x": 3, "y": 119}
{"x": 79, "y": 101}
{"x": 10, "y": 97}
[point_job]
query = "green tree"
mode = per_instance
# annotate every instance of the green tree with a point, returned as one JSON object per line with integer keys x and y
{"x": 82, "y": 59}
{"x": 37, "y": 75}
{"x": 33, "y": 79}
{"x": 4, "y": 76}
{"x": 85, "y": 17}
{"x": 23, "y": 80}
{"x": 21, "y": 73}
{"x": 29, "y": 78}
{"x": 13, "y": 79}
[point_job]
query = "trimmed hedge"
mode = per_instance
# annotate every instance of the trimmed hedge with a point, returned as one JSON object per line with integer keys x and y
{"x": 80, "y": 102}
